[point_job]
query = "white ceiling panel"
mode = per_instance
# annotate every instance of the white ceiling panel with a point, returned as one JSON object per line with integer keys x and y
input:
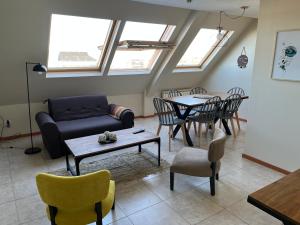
{"x": 230, "y": 6}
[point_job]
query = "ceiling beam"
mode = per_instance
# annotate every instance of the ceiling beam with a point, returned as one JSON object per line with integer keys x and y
{"x": 188, "y": 31}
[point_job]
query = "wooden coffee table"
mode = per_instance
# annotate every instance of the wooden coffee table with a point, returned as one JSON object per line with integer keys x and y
{"x": 84, "y": 147}
{"x": 280, "y": 199}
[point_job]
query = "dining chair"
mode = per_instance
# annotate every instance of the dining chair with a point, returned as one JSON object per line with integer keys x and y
{"x": 198, "y": 90}
{"x": 200, "y": 162}
{"x": 206, "y": 114}
{"x": 174, "y": 93}
{"x": 77, "y": 200}
{"x": 240, "y": 91}
{"x": 167, "y": 117}
{"x": 228, "y": 109}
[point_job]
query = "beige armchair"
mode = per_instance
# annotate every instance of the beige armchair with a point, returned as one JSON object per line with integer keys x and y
{"x": 200, "y": 162}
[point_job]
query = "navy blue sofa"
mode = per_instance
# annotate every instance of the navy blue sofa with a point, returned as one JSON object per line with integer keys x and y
{"x": 78, "y": 116}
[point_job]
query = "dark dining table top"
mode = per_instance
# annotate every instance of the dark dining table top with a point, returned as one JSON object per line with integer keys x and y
{"x": 197, "y": 99}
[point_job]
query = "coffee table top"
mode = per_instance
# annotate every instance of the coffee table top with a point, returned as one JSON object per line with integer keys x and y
{"x": 89, "y": 145}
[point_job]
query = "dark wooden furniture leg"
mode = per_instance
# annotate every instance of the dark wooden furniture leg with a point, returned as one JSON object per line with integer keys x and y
{"x": 212, "y": 179}
{"x": 53, "y": 212}
{"x": 227, "y": 129}
{"x": 98, "y": 209}
{"x": 77, "y": 161}
{"x": 140, "y": 148}
{"x": 171, "y": 181}
{"x": 183, "y": 117}
{"x": 158, "y": 153}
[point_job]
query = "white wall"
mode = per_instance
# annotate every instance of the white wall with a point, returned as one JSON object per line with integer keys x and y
{"x": 226, "y": 74}
{"x": 273, "y": 127}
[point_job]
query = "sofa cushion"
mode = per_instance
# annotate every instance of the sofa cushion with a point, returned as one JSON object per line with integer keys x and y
{"x": 77, "y": 107}
{"x": 88, "y": 126}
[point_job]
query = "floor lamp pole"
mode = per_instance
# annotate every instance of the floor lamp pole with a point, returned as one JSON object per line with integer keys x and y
{"x": 31, "y": 150}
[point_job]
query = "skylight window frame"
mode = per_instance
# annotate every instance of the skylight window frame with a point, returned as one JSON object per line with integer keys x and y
{"x": 101, "y": 59}
{"x": 165, "y": 37}
{"x": 109, "y": 49}
{"x": 209, "y": 54}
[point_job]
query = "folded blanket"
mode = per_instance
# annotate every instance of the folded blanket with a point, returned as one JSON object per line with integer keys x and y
{"x": 117, "y": 110}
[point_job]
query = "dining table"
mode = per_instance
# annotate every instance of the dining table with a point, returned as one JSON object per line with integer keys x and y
{"x": 183, "y": 105}
{"x": 280, "y": 199}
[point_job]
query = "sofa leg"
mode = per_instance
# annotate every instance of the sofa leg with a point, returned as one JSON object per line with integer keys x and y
{"x": 217, "y": 176}
{"x": 171, "y": 181}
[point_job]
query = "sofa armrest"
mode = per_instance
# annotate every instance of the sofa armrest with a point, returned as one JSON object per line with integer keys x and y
{"x": 126, "y": 115}
{"x": 50, "y": 134}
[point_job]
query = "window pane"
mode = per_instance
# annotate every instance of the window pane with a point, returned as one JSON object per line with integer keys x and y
{"x": 203, "y": 43}
{"x": 130, "y": 59}
{"x": 74, "y": 41}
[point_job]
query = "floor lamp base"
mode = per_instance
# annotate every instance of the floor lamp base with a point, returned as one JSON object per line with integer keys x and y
{"x": 31, "y": 151}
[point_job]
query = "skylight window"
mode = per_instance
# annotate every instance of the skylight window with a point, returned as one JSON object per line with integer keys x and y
{"x": 204, "y": 45}
{"x": 134, "y": 59}
{"x": 74, "y": 42}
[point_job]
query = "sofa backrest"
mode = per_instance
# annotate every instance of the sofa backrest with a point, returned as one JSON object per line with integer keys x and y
{"x": 77, "y": 107}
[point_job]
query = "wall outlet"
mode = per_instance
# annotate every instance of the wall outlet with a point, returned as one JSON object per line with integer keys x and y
{"x": 7, "y": 123}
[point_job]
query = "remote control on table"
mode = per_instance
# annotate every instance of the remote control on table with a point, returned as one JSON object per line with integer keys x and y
{"x": 139, "y": 131}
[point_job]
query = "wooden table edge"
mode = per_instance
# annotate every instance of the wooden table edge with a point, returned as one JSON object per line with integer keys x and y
{"x": 270, "y": 211}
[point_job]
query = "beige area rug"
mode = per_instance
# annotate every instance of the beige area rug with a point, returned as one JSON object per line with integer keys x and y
{"x": 123, "y": 167}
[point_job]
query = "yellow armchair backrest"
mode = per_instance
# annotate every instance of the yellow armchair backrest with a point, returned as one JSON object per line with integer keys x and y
{"x": 73, "y": 193}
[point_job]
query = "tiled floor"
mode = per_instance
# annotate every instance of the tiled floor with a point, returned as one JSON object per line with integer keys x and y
{"x": 149, "y": 200}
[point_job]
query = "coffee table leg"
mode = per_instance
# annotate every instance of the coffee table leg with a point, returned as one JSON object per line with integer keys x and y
{"x": 140, "y": 148}
{"x": 67, "y": 162}
{"x": 158, "y": 158}
{"x": 77, "y": 161}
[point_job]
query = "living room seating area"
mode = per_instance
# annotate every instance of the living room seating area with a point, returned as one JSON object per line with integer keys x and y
{"x": 73, "y": 117}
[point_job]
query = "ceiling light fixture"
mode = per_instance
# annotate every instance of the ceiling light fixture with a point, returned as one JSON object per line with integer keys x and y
{"x": 220, "y": 34}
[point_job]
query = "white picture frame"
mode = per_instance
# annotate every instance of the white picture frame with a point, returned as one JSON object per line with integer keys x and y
{"x": 286, "y": 62}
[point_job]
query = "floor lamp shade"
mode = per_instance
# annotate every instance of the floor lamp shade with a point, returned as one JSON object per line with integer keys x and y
{"x": 39, "y": 68}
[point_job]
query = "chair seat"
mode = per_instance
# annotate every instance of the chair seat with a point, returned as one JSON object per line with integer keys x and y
{"x": 87, "y": 216}
{"x": 193, "y": 162}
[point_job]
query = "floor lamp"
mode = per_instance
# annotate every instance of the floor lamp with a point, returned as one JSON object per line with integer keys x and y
{"x": 39, "y": 68}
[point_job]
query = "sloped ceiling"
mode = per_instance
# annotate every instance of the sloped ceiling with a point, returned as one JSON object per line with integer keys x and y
{"x": 24, "y": 37}
{"x": 230, "y": 6}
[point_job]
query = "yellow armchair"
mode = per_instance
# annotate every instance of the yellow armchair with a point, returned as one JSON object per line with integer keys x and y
{"x": 77, "y": 200}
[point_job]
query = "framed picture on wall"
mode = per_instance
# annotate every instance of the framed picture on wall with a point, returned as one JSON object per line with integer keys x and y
{"x": 286, "y": 65}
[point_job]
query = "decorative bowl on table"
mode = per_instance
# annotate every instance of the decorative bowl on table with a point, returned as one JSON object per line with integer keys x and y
{"x": 107, "y": 138}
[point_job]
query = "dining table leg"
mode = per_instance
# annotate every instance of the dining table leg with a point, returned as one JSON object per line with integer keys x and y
{"x": 226, "y": 127}
{"x": 183, "y": 117}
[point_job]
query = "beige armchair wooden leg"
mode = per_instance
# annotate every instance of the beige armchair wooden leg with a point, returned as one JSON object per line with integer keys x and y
{"x": 183, "y": 134}
{"x": 237, "y": 120}
{"x": 233, "y": 128}
{"x": 199, "y": 132}
{"x": 195, "y": 127}
{"x": 158, "y": 130}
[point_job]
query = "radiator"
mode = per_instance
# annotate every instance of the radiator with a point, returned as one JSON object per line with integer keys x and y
{"x": 184, "y": 91}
